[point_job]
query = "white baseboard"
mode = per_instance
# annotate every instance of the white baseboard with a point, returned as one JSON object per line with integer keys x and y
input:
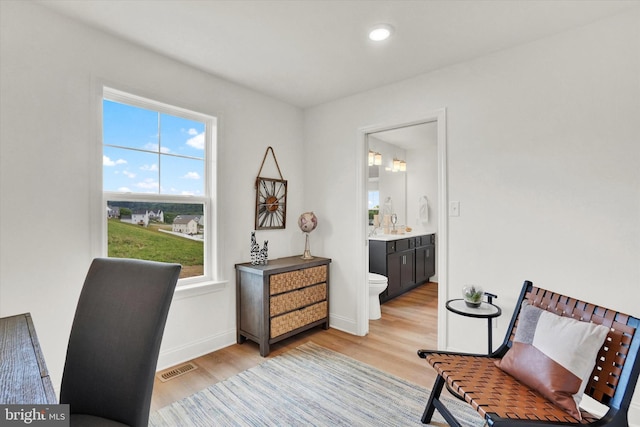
{"x": 174, "y": 356}
{"x": 343, "y": 324}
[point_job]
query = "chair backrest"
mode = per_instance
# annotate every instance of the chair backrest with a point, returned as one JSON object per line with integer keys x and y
{"x": 617, "y": 367}
{"x": 115, "y": 339}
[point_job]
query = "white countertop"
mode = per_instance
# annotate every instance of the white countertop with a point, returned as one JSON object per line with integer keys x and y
{"x": 398, "y": 236}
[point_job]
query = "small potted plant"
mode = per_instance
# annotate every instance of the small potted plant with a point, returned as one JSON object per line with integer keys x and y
{"x": 472, "y": 295}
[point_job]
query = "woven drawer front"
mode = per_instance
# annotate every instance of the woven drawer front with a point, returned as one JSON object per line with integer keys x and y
{"x": 299, "y": 298}
{"x": 291, "y": 280}
{"x": 296, "y": 319}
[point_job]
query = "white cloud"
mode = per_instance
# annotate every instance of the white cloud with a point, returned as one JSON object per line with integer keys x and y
{"x": 106, "y": 161}
{"x": 187, "y": 193}
{"x": 124, "y": 189}
{"x": 192, "y": 175}
{"x": 129, "y": 174}
{"x": 148, "y": 184}
{"x": 154, "y": 147}
{"x": 197, "y": 141}
{"x": 149, "y": 168}
{"x": 192, "y": 131}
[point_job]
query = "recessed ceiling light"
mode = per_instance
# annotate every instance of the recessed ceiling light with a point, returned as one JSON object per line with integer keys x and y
{"x": 380, "y": 32}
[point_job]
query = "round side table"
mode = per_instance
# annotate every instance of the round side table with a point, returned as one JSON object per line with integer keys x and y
{"x": 487, "y": 310}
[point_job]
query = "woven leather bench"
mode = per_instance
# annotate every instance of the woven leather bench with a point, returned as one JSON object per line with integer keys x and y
{"x": 502, "y": 400}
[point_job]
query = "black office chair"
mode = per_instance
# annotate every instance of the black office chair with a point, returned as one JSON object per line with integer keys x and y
{"x": 115, "y": 340}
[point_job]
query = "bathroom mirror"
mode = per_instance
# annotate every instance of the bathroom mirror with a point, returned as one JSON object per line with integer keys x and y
{"x": 387, "y": 186}
{"x": 406, "y": 175}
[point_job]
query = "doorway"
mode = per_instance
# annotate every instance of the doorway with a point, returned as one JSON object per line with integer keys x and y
{"x": 399, "y": 129}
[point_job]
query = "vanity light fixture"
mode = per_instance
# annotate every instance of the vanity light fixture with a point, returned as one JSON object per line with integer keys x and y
{"x": 380, "y": 32}
{"x": 375, "y": 158}
{"x": 398, "y": 165}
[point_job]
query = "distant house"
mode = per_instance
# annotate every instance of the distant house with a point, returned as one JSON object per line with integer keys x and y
{"x": 113, "y": 212}
{"x": 140, "y": 217}
{"x": 187, "y": 224}
{"x": 156, "y": 216}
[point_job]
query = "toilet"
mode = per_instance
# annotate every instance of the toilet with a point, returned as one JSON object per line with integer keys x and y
{"x": 377, "y": 285}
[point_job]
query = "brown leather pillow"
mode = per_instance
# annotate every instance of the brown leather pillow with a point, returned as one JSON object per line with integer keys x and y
{"x": 554, "y": 355}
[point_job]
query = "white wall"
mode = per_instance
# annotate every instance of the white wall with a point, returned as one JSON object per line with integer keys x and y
{"x": 48, "y": 75}
{"x": 543, "y": 156}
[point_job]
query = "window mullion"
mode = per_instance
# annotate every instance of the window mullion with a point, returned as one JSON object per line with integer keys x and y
{"x": 159, "y": 158}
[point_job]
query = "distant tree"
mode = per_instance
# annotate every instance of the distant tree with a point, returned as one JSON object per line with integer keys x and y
{"x": 125, "y": 212}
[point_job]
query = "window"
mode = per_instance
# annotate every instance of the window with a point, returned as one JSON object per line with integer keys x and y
{"x": 374, "y": 204}
{"x": 158, "y": 183}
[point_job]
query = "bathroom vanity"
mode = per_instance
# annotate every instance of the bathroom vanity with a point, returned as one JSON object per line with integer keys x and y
{"x": 407, "y": 260}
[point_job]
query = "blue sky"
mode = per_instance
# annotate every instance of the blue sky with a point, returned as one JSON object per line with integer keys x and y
{"x": 374, "y": 199}
{"x": 148, "y": 152}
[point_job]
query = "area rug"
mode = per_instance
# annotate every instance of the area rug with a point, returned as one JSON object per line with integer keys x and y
{"x": 309, "y": 386}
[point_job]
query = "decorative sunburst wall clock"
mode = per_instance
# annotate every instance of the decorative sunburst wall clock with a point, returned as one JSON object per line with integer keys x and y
{"x": 271, "y": 199}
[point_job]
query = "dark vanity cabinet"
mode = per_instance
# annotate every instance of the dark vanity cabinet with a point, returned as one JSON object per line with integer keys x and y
{"x": 425, "y": 257}
{"x": 406, "y": 262}
{"x": 400, "y": 267}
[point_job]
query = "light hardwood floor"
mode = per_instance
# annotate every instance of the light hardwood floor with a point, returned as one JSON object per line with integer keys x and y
{"x": 408, "y": 323}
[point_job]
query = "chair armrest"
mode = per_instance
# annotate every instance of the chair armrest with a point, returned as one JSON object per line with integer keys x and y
{"x": 498, "y": 354}
{"x": 423, "y": 353}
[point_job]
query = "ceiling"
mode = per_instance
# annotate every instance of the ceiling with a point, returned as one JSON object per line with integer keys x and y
{"x": 308, "y": 52}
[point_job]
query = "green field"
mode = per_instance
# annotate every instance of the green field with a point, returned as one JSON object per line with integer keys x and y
{"x": 134, "y": 241}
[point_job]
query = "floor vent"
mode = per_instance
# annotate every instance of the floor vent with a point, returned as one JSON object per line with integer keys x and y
{"x": 176, "y": 372}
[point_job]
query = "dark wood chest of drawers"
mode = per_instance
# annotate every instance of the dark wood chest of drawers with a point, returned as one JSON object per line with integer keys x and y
{"x": 280, "y": 299}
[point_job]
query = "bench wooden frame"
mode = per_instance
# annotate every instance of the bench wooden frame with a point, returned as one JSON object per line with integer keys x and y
{"x": 504, "y": 401}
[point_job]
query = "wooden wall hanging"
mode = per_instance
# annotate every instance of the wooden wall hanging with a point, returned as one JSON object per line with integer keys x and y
{"x": 271, "y": 198}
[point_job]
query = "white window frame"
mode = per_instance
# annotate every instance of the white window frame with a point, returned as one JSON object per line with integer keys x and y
{"x": 210, "y": 187}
